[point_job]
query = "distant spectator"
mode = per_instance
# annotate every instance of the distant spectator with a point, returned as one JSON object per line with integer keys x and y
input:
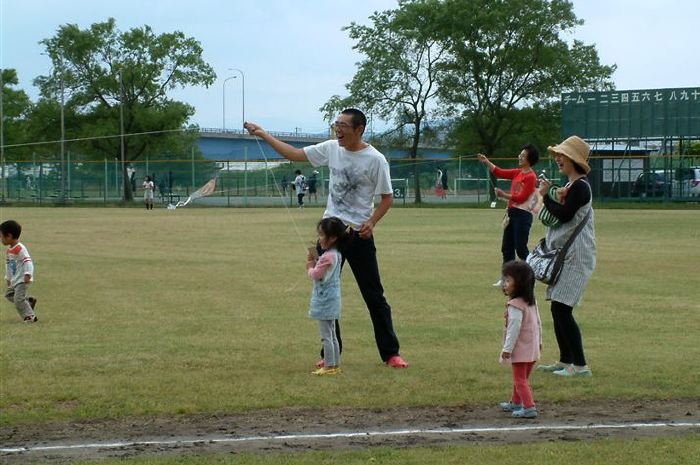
{"x": 443, "y": 180}
{"x": 300, "y": 187}
{"x": 131, "y": 173}
{"x": 313, "y": 180}
{"x": 148, "y": 189}
{"x": 439, "y": 191}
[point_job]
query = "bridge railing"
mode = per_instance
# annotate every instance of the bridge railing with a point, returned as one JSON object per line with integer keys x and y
{"x": 278, "y": 134}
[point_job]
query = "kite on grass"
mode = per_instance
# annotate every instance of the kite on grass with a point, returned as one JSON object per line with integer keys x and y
{"x": 203, "y": 191}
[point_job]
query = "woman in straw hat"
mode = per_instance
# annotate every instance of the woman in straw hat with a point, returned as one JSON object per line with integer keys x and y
{"x": 571, "y": 157}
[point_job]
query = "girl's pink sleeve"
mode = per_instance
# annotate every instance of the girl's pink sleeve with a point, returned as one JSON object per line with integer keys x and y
{"x": 322, "y": 266}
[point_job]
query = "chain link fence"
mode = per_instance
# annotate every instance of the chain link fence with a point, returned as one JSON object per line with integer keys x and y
{"x": 270, "y": 182}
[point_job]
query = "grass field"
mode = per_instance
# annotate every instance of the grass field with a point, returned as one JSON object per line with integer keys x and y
{"x": 204, "y": 310}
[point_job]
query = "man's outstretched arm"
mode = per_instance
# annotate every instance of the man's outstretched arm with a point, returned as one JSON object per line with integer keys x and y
{"x": 287, "y": 151}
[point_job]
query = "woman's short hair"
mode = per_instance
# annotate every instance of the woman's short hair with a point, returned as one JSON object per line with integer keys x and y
{"x": 533, "y": 154}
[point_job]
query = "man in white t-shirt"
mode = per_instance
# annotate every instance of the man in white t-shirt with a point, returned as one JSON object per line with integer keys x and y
{"x": 358, "y": 172}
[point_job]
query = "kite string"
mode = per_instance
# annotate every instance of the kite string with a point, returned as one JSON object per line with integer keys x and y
{"x": 282, "y": 198}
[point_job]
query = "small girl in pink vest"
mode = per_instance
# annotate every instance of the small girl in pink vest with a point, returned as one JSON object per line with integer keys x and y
{"x": 522, "y": 336}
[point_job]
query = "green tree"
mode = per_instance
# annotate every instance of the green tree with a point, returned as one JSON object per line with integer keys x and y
{"x": 397, "y": 78}
{"x": 510, "y": 55}
{"x": 110, "y": 76}
{"x": 539, "y": 125}
{"x": 15, "y": 105}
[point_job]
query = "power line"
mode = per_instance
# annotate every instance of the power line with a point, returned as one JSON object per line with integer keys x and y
{"x": 25, "y": 144}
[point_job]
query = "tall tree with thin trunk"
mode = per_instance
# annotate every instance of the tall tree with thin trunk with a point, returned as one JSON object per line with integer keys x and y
{"x": 509, "y": 55}
{"x": 396, "y": 80}
{"x": 113, "y": 78}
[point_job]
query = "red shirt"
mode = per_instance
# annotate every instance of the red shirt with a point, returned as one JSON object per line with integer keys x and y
{"x": 521, "y": 188}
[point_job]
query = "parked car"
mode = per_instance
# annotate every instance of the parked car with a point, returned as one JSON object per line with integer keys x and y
{"x": 688, "y": 180}
{"x": 651, "y": 184}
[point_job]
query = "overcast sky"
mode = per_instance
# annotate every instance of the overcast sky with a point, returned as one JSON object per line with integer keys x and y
{"x": 295, "y": 55}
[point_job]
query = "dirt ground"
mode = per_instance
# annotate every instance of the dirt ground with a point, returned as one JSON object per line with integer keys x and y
{"x": 196, "y": 434}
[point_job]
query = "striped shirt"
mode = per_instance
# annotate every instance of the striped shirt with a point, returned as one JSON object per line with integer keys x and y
{"x": 18, "y": 264}
{"x": 580, "y": 259}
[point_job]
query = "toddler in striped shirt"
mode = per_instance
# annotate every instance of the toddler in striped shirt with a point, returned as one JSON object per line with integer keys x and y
{"x": 19, "y": 271}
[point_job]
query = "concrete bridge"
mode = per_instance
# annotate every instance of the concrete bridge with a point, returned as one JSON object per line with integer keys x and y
{"x": 237, "y": 144}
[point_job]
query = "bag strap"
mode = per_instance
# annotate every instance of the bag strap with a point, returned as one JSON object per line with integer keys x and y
{"x": 580, "y": 226}
{"x": 576, "y": 232}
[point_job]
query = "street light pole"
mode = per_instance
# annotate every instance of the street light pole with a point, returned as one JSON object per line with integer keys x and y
{"x": 2, "y": 139}
{"x": 242, "y": 94}
{"x": 121, "y": 132}
{"x": 63, "y": 139}
{"x": 223, "y": 102}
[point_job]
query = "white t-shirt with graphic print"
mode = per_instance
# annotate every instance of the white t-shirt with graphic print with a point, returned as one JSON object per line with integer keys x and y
{"x": 355, "y": 178}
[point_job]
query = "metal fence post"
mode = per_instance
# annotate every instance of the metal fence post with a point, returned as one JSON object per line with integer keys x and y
{"x": 68, "y": 170}
{"x": 4, "y": 180}
{"x": 228, "y": 190}
{"x": 41, "y": 175}
{"x": 34, "y": 171}
{"x": 105, "y": 181}
{"x": 245, "y": 177}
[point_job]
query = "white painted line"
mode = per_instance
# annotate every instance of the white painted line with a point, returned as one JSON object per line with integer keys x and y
{"x": 350, "y": 434}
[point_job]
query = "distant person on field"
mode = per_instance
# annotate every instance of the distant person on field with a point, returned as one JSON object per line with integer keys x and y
{"x": 522, "y": 336}
{"x": 443, "y": 180}
{"x": 313, "y": 181}
{"x": 439, "y": 190}
{"x": 19, "y": 271}
{"x": 325, "y": 305}
{"x": 516, "y": 231}
{"x": 131, "y": 172}
{"x": 300, "y": 187}
{"x": 148, "y": 189}
{"x": 358, "y": 172}
{"x": 285, "y": 183}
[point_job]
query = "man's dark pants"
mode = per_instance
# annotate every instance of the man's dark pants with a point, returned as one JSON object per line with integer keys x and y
{"x": 361, "y": 255}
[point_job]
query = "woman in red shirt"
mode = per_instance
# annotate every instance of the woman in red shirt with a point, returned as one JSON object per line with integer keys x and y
{"x": 517, "y": 232}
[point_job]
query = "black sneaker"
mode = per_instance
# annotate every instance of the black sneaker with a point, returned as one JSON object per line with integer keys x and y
{"x": 32, "y": 302}
{"x": 31, "y": 319}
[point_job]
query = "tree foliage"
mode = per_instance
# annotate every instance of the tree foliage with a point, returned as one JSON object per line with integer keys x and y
{"x": 397, "y": 78}
{"x": 15, "y": 107}
{"x": 496, "y": 68}
{"x": 509, "y": 55}
{"x": 105, "y": 73}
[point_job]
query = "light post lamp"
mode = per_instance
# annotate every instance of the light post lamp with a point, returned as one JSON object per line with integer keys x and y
{"x": 223, "y": 101}
{"x": 242, "y": 94}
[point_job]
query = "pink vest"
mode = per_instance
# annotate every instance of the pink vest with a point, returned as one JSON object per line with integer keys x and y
{"x": 527, "y": 347}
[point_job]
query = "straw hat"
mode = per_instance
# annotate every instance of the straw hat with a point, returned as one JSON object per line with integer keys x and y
{"x": 575, "y": 149}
